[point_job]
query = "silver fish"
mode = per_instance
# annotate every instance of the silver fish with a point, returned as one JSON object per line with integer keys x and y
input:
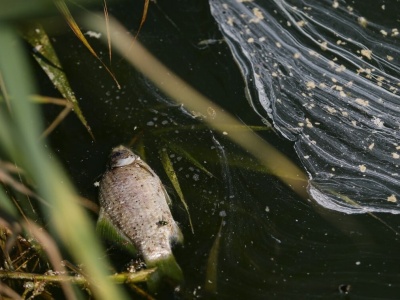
{"x": 134, "y": 205}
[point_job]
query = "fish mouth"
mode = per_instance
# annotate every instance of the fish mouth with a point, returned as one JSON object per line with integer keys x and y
{"x": 123, "y": 162}
{"x": 121, "y": 156}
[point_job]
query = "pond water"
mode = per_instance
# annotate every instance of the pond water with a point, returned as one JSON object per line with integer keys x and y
{"x": 253, "y": 237}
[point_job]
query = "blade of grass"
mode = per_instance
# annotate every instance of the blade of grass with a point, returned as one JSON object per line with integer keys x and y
{"x": 48, "y": 100}
{"x": 60, "y": 117}
{"x": 7, "y": 133}
{"x": 4, "y": 92}
{"x": 6, "y": 204}
{"x": 203, "y": 126}
{"x": 212, "y": 264}
{"x": 48, "y": 60}
{"x": 50, "y": 247}
{"x": 355, "y": 204}
{"x": 9, "y": 180}
{"x": 107, "y": 29}
{"x": 6, "y": 291}
{"x": 140, "y": 292}
{"x": 189, "y": 157}
{"x": 63, "y": 8}
{"x": 169, "y": 169}
{"x": 120, "y": 278}
{"x": 144, "y": 16}
{"x": 22, "y": 9}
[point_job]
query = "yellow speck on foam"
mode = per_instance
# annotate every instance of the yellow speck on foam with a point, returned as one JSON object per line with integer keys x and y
{"x": 258, "y": 16}
{"x": 366, "y": 53}
{"x": 363, "y": 168}
{"x": 362, "y": 102}
{"x": 310, "y": 84}
{"x": 392, "y": 198}
{"x": 362, "y": 21}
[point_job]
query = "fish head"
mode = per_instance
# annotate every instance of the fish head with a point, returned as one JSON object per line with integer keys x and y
{"x": 121, "y": 156}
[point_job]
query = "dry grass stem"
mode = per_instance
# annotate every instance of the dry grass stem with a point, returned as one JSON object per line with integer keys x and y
{"x": 51, "y": 248}
{"x": 61, "y": 116}
{"x": 58, "y": 277}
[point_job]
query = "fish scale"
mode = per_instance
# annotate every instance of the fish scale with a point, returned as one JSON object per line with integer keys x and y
{"x": 134, "y": 202}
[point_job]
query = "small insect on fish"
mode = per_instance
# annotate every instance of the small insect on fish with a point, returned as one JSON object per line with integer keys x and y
{"x": 134, "y": 208}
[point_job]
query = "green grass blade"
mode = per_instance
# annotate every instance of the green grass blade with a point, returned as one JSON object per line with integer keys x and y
{"x": 169, "y": 169}
{"x": 6, "y": 204}
{"x": 350, "y": 201}
{"x": 20, "y": 9}
{"x": 189, "y": 157}
{"x": 212, "y": 264}
{"x": 48, "y": 60}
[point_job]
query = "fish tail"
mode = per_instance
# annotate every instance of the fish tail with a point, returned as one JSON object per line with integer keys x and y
{"x": 167, "y": 270}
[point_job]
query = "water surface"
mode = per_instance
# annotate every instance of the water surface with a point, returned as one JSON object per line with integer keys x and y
{"x": 271, "y": 242}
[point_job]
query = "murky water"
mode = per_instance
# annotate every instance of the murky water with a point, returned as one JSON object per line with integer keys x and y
{"x": 263, "y": 240}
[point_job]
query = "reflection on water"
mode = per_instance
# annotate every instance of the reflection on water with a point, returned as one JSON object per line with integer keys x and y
{"x": 328, "y": 77}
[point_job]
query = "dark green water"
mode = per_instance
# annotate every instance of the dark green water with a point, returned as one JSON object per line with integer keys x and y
{"x": 272, "y": 243}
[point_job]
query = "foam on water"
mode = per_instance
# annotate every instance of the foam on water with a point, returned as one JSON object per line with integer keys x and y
{"x": 328, "y": 78}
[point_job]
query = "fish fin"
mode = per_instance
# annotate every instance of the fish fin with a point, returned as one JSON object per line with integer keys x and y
{"x": 177, "y": 237}
{"x": 145, "y": 167}
{"x": 111, "y": 233}
{"x": 167, "y": 197}
{"x": 167, "y": 270}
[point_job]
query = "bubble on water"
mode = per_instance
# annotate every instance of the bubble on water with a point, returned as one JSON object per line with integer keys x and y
{"x": 328, "y": 78}
{"x": 196, "y": 177}
{"x": 150, "y": 123}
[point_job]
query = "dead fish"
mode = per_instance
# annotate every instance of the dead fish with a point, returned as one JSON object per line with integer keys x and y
{"x": 134, "y": 206}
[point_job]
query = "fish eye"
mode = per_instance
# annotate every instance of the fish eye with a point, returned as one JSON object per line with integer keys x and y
{"x": 116, "y": 154}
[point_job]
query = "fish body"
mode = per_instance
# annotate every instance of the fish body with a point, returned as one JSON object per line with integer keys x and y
{"x": 134, "y": 203}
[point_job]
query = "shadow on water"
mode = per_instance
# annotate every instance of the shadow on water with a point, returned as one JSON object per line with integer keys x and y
{"x": 271, "y": 242}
